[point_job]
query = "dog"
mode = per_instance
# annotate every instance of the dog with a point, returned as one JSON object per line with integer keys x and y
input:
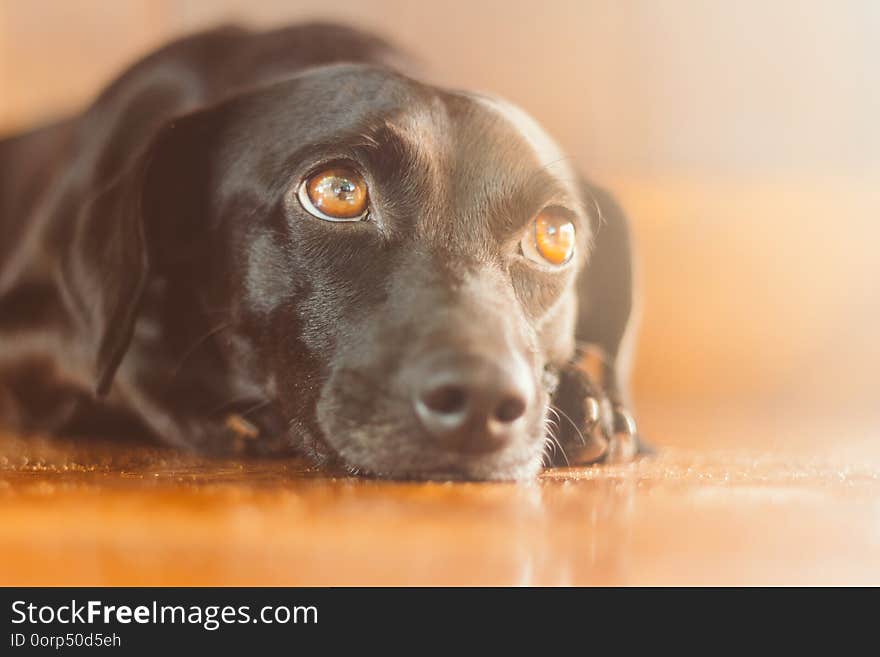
{"x": 283, "y": 242}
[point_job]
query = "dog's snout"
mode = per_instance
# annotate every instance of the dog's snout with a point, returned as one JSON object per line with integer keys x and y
{"x": 472, "y": 404}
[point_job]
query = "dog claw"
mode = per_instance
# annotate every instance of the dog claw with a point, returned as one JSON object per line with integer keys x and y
{"x": 624, "y": 422}
{"x": 624, "y": 444}
{"x": 592, "y": 411}
{"x": 595, "y": 448}
{"x": 242, "y": 427}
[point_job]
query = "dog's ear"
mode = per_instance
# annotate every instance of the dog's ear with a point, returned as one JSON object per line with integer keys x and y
{"x": 115, "y": 248}
{"x": 606, "y": 284}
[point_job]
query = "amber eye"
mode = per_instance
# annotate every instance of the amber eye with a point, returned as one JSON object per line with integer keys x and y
{"x": 335, "y": 194}
{"x": 550, "y": 240}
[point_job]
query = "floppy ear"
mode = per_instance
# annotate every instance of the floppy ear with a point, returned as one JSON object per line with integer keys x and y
{"x": 606, "y": 286}
{"x": 114, "y": 252}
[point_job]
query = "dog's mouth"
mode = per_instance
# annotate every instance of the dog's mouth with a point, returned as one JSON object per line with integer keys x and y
{"x": 383, "y": 437}
{"x": 453, "y": 467}
{"x": 508, "y": 470}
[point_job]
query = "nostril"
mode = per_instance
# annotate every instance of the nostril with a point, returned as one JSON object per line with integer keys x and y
{"x": 471, "y": 404}
{"x": 446, "y": 400}
{"x": 510, "y": 409}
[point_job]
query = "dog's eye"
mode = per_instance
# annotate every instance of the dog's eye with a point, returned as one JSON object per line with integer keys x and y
{"x": 550, "y": 239}
{"x": 335, "y": 194}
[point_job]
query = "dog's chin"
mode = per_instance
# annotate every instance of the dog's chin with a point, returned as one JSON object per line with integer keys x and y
{"x": 463, "y": 471}
{"x": 412, "y": 464}
{"x": 385, "y": 440}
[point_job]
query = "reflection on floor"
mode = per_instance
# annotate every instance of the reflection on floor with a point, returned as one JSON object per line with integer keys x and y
{"x": 105, "y": 514}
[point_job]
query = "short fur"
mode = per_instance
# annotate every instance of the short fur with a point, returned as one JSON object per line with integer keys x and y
{"x": 156, "y": 270}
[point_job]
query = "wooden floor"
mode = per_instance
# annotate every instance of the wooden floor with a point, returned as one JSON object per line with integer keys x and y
{"x": 722, "y": 507}
{"x": 768, "y": 470}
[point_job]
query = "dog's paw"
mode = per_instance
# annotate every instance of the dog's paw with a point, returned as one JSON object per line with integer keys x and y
{"x": 591, "y": 426}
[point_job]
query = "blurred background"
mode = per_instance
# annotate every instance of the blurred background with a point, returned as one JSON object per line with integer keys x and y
{"x": 742, "y": 138}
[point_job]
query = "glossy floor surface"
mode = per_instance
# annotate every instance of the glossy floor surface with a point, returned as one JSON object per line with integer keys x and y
{"x": 762, "y": 512}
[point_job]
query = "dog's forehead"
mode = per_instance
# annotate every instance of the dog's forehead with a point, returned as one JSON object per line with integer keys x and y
{"x": 494, "y": 148}
{"x": 516, "y": 126}
{"x": 476, "y": 130}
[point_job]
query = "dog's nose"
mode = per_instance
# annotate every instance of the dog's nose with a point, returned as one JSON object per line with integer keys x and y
{"x": 473, "y": 404}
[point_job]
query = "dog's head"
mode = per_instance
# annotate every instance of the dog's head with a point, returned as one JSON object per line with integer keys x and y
{"x": 396, "y": 262}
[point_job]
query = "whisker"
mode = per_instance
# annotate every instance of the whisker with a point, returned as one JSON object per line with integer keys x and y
{"x": 562, "y": 450}
{"x": 199, "y": 342}
{"x": 551, "y": 442}
{"x": 256, "y": 407}
{"x": 546, "y": 460}
{"x": 571, "y": 422}
{"x": 228, "y": 403}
